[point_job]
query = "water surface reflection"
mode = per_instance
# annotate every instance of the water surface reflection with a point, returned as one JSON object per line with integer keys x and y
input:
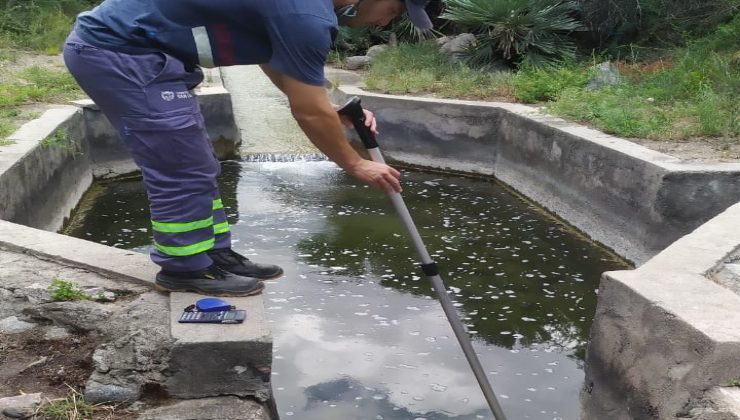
{"x": 357, "y": 332}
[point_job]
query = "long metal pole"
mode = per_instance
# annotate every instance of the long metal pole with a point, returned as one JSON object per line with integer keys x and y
{"x": 353, "y": 110}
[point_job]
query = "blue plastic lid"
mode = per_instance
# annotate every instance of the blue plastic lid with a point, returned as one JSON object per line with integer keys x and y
{"x": 212, "y": 305}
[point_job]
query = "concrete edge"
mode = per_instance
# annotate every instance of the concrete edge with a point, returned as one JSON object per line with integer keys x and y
{"x": 636, "y": 151}
{"x": 683, "y": 268}
{"x": 29, "y": 135}
{"x": 126, "y": 265}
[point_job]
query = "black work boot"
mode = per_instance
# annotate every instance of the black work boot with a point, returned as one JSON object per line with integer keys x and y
{"x": 211, "y": 281}
{"x": 227, "y": 259}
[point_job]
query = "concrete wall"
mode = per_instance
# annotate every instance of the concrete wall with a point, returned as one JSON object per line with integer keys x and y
{"x": 110, "y": 157}
{"x": 44, "y": 174}
{"x": 632, "y": 199}
{"x": 54, "y": 158}
{"x": 665, "y": 342}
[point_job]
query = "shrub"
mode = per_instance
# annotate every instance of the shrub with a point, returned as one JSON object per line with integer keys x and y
{"x": 515, "y": 30}
{"x": 62, "y": 290}
{"x": 615, "y": 25}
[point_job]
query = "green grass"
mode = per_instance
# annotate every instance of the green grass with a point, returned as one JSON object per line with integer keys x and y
{"x": 37, "y": 84}
{"x": 694, "y": 93}
{"x": 71, "y": 407}
{"x": 60, "y": 139}
{"x": 538, "y": 84}
{"x": 6, "y": 129}
{"x": 421, "y": 68}
{"x": 38, "y": 25}
{"x": 74, "y": 407}
{"x": 32, "y": 85}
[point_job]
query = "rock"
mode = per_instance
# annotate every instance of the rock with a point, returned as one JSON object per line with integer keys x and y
{"x": 19, "y": 404}
{"x": 443, "y": 40}
{"x": 208, "y": 408}
{"x": 96, "y": 393}
{"x": 138, "y": 354}
{"x": 456, "y": 47}
{"x": 78, "y": 315}
{"x": 607, "y": 74}
{"x": 15, "y": 413}
{"x": 357, "y": 62}
{"x": 55, "y": 333}
{"x": 13, "y": 325}
{"x": 35, "y": 293}
{"x": 373, "y": 51}
{"x": 104, "y": 297}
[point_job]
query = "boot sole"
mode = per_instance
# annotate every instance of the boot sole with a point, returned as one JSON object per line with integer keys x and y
{"x": 203, "y": 292}
{"x": 274, "y": 276}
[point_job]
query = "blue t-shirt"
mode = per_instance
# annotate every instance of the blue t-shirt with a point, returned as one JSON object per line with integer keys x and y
{"x": 292, "y": 36}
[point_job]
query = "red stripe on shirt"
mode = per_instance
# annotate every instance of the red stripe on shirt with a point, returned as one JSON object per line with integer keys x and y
{"x": 224, "y": 45}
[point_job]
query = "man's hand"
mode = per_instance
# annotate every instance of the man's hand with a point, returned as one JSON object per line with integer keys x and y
{"x": 377, "y": 175}
{"x": 369, "y": 120}
{"x": 320, "y": 122}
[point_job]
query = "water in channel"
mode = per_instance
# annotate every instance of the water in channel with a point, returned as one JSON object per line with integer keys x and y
{"x": 357, "y": 332}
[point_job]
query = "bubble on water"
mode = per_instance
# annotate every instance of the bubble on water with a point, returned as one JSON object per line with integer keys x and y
{"x": 418, "y": 398}
{"x": 378, "y": 397}
{"x": 438, "y": 387}
{"x": 414, "y": 333}
{"x": 289, "y": 413}
{"x": 412, "y": 308}
{"x": 526, "y": 319}
{"x": 430, "y": 339}
{"x": 505, "y": 332}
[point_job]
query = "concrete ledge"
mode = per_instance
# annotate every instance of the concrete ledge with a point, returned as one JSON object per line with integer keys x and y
{"x": 210, "y": 360}
{"x": 630, "y": 198}
{"x": 44, "y": 174}
{"x": 230, "y": 408}
{"x": 126, "y": 265}
{"x": 664, "y": 334}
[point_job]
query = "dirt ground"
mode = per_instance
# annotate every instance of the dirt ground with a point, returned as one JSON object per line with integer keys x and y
{"x": 29, "y": 364}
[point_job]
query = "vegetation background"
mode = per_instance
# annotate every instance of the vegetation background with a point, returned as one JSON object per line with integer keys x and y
{"x": 678, "y": 60}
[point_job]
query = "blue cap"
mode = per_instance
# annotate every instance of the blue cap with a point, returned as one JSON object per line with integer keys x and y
{"x": 417, "y": 14}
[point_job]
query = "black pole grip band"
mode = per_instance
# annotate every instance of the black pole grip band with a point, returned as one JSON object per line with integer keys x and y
{"x": 353, "y": 110}
{"x": 430, "y": 269}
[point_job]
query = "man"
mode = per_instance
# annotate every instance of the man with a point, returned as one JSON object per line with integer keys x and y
{"x": 139, "y": 61}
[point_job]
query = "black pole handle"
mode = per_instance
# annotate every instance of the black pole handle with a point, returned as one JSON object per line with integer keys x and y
{"x": 353, "y": 110}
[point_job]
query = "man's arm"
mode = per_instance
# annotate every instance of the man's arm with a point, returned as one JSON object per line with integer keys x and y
{"x": 275, "y": 77}
{"x": 319, "y": 121}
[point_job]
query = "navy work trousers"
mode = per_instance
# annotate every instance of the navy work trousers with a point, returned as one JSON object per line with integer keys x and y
{"x": 148, "y": 98}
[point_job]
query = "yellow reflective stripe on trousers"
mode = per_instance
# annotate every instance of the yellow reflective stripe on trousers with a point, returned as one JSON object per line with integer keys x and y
{"x": 221, "y": 228}
{"x": 218, "y": 204}
{"x": 172, "y": 227}
{"x": 184, "y": 251}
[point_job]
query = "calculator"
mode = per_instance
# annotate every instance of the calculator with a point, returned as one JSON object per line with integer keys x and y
{"x": 217, "y": 317}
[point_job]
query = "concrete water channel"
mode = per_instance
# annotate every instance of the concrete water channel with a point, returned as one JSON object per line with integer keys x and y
{"x": 356, "y": 333}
